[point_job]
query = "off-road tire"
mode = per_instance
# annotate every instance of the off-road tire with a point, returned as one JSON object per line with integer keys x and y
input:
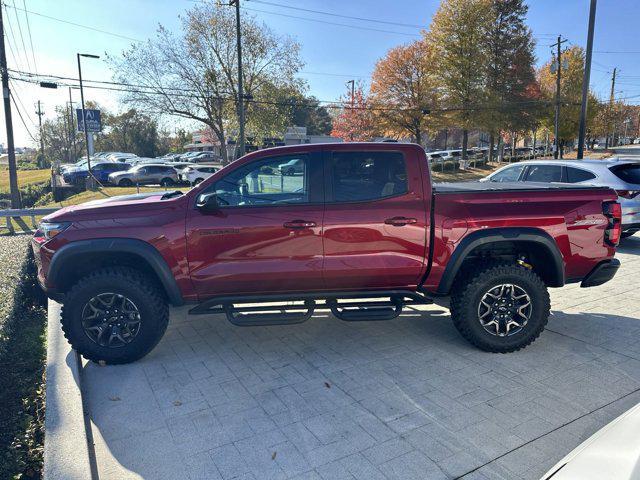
{"x": 142, "y": 290}
{"x": 470, "y": 287}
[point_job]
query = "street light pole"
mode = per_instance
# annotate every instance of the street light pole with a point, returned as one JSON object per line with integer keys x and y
{"x": 241, "y": 139}
{"x": 585, "y": 81}
{"x": 84, "y": 117}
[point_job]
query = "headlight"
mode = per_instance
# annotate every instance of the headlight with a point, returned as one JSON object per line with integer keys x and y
{"x": 48, "y": 230}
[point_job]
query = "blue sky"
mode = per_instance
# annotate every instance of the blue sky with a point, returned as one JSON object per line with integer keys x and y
{"x": 332, "y": 53}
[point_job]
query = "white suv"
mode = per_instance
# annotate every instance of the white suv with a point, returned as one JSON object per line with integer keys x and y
{"x": 194, "y": 174}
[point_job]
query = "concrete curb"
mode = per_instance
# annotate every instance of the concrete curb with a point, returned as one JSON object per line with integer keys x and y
{"x": 66, "y": 449}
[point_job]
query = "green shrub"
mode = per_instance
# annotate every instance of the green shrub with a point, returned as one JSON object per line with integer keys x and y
{"x": 30, "y": 195}
{"x": 22, "y": 361}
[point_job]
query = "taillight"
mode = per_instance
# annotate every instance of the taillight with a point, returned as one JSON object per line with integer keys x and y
{"x": 613, "y": 211}
{"x": 628, "y": 194}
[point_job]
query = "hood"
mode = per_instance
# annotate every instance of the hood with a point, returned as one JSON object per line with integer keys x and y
{"x": 120, "y": 173}
{"x": 121, "y": 203}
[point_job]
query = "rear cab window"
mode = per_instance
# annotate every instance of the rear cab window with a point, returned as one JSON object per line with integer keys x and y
{"x": 366, "y": 176}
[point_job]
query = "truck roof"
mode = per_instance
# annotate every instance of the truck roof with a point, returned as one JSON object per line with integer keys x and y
{"x": 357, "y": 146}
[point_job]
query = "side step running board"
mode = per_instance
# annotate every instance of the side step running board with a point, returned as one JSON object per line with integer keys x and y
{"x": 366, "y": 311}
{"x": 263, "y": 315}
{"x": 292, "y": 308}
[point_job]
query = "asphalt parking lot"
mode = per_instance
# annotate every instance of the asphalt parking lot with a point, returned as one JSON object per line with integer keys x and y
{"x": 404, "y": 399}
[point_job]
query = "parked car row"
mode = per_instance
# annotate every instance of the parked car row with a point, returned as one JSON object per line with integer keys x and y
{"x": 126, "y": 169}
{"x": 479, "y": 155}
{"x": 126, "y": 175}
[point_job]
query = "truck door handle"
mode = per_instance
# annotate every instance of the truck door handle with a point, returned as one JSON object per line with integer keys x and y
{"x": 298, "y": 224}
{"x": 400, "y": 221}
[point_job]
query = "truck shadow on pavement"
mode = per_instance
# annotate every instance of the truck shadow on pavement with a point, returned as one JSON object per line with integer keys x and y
{"x": 401, "y": 398}
{"x": 630, "y": 245}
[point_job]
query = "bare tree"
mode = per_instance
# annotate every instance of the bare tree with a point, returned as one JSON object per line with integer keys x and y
{"x": 194, "y": 75}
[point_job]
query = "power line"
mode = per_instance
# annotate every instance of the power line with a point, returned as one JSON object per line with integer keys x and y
{"x": 33, "y": 54}
{"x": 15, "y": 89}
{"x": 16, "y": 59}
{"x": 22, "y": 119}
{"x": 617, "y": 51}
{"x": 24, "y": 48}
{"x": 346, "y": 75}
{"x": 79, "y": 25}
{"x": 326, "y": 103}
{"x": 357, "y": 27}
{"x": 332, "y": 14}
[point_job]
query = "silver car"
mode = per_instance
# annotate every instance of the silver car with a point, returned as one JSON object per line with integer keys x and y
{"x": 164, "y": 175}
{"x": 623, "y": 176}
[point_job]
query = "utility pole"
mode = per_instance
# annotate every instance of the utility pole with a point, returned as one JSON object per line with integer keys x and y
{"x": 585, "y": 81}
{"x": 39, "y": 112}
{"x": 241, "y": 140}
{"x": 6, "y": 93}
{"x": 611, "y": 100}
{"x": 556, "y": 127}
{"x": 353, "y": 92}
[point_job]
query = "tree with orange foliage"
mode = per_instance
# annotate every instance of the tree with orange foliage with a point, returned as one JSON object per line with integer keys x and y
{"x": 355, "y": 122}
{"x": 403, "y": 86}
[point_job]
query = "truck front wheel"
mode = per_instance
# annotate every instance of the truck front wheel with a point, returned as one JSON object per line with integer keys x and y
{"x": 115, "y": 314}
{"x": 499, "y": 307}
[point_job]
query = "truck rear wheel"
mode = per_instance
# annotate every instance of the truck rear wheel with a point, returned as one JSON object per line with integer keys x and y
{"x": 116, "y": 315}
{"x": 499, "y": 307}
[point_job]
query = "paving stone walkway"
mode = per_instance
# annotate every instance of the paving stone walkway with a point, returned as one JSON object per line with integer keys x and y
{"x": 401, "y": 399}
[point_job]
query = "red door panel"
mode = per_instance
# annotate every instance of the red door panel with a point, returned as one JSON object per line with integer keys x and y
{"x": 266, "y": 234}
{"x": 381, "y": 242}
{"x": 249, "y": 250}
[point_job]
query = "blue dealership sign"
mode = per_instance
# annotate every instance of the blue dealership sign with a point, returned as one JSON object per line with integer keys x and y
{"x": 93, "y": 120}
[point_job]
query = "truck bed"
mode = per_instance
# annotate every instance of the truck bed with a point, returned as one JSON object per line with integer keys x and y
{"x": 476, "y": 187}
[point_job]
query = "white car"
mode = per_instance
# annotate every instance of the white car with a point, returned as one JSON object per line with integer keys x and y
{"x": 612, "y": 452}
{"x": 194, "y": 174}
{"x": 618, "y": 174}
{"x": 292, "y": 167}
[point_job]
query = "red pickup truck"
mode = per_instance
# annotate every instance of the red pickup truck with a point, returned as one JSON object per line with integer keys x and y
{"x": 357, "y": 228}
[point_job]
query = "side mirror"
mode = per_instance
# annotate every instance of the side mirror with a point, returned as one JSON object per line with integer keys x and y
{"x": 207, "y": 202}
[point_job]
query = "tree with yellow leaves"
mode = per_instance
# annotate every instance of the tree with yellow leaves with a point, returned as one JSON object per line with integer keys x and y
{"x": 457, "y": 36}
{"x": 570, "y": 95}
{"x": 404, "y": 90}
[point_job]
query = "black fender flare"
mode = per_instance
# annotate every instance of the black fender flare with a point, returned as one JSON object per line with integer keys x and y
{"x": 145, "y": 250}
{"x": 492, "y": 235}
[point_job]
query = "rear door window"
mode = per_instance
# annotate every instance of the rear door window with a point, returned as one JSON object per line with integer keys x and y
{"x": 576, "y": 175}
{"x": 360, "y": 176}
{"x": 544, "y": 173}
{"x": 629, "y": 173}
